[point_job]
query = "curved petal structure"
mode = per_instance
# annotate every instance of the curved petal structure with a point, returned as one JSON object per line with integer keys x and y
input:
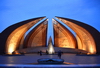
{"x": 37, "y": 36}
{"x": 14, "y": 37}
{"x": 87, "y": 36}
{"x": 62, "y": 36}
{"x": 15, "y": 33}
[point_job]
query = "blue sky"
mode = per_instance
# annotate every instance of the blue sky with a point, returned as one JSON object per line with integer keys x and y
{"x": 14, "y": 11}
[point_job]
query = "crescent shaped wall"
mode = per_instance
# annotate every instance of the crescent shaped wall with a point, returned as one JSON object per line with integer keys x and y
{"x": 62, "y": 36}
{"x": 87, "y": 36}
{"x": 11, "y": 36}
{"x": 37, "y": 36}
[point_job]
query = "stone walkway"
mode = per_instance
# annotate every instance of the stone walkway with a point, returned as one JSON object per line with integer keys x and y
{"x": 31, "y": 59}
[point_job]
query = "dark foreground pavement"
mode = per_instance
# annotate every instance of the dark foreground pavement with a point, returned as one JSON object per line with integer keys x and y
{"x": 30, "y": 61}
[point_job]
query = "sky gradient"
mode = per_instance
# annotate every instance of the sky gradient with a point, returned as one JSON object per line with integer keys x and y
{"x": 14, "y": 11}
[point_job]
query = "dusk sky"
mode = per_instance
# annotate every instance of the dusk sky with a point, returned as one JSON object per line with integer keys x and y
{"x": 14, "y": 11}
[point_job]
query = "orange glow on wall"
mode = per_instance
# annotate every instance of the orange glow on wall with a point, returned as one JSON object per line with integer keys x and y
{"x": 13, "y": 41}
{"x": 37, "y": 36}
{"x": 85, "y": 40}
{"x": 62, "y": 36}
{"x": 92, "y": 50}
{"x": 11, "y": 48}
{"x": 79, "y": 42}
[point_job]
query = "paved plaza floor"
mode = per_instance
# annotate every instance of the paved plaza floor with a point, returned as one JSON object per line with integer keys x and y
{"x": 29, "y": 59}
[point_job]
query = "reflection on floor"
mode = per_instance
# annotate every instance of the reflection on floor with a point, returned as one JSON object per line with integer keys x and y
{"x": 30, "y": 60}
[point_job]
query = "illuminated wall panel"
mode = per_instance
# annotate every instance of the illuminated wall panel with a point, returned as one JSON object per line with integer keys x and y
{"x": 37, "y": 37}
{"x": 62, "y": 36}
{"x": 87, "y": 40}
{"x": 79, "y": 42}
{"x": 13, "y": 41}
